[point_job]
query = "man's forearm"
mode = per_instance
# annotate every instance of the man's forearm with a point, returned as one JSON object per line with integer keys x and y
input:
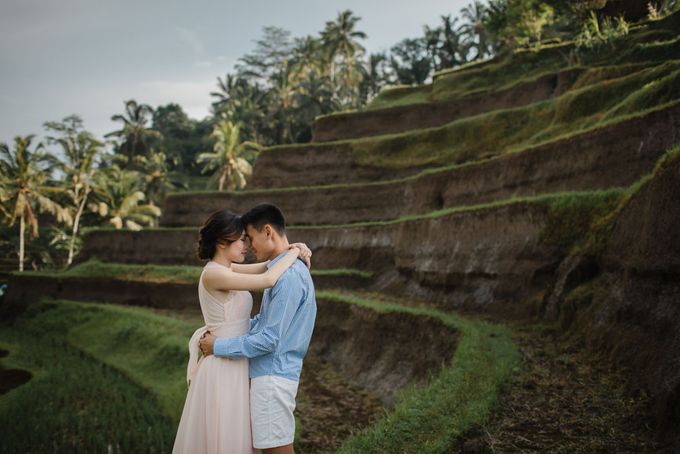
{"x": 249, "y": 346}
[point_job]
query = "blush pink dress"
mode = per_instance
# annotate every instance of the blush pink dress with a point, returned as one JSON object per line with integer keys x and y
{"x": 216, "y": 415}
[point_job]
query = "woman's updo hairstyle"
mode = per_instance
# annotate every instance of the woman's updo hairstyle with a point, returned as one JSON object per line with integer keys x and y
{"x": 221, "y": 226}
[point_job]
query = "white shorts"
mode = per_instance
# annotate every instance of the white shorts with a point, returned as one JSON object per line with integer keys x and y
{"x": 272, "y": 401}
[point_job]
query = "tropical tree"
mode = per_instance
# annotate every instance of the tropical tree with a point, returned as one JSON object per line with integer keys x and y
{"x": 181, "y": 136}
{"x": 230, "y": 157}
{"x": 376, "y": 76}
{"x": 452, "y": 50}
{"x": 343, "y": 52}
{"x": 410, "y": 61}
{"x": 24, "y": 189}
{"x": 248, "y": 104}
{"x": 272, "y": 53}
{"x": 118, "y": 197}
{"x": 79, "y": 149}
{"x": 307, "y": 56}
{"x": 518, "y": 23}
{"x": 135, "y": 136}
{"x": 313, "y": 96}
{"x": 474, "y": 30}
{"x": 158, "y": 180}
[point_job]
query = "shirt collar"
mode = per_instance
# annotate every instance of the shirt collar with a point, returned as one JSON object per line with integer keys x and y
{"x": 276, "y": 259}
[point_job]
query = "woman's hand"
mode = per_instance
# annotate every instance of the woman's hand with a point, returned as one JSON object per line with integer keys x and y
{"x": 305, "y": 253}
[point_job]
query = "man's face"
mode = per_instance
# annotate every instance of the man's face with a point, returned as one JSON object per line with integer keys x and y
{"x": 260, "y": 242}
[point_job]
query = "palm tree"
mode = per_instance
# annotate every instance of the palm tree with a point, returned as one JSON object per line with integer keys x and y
{"x": 452, "y": 51}
{"x": 375, "y": 76}
{"x": 229, "y": 158}
{"x": 474, "y": 29}
{"x": 410, "y": 61}
{"x": 341, "y": 39}
{"x": 119, "y": 197}
{"x": 432, "y": 40}
{"x": 134, "y": 135}
{"x": 307, "y": 57}
{"x": 24, "y": 190}
{"x": 156, "y": 176}
{"x": 226, "y": 87}
{"x": 246, "y": 103}
{"x": 79, "y": 149}
{"x": 313, "y": 96}
{"x": 341, "y": 43}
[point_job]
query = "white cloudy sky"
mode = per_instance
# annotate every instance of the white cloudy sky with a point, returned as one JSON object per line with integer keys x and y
{"x": 59, "y": 57}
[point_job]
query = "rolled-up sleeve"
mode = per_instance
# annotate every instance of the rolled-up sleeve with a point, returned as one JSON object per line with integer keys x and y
{"x": 285, "y": 297}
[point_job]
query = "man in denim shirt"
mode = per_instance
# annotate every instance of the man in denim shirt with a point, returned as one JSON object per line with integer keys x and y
{"x": 278, "y": 338}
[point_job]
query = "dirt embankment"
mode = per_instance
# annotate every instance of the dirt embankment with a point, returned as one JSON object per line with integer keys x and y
{"x": 11, "y": 378}
{"x": 427, "y": 115}
{"x": 485, "y": 260}
{"x": 315, "y": 164}
{"x": 160, "y": 247}
{"x": 489, "y": 260}
{"x": 29, "y": 289}
{"x": 382, "y": 352}
{"x": 614, "y": 156}
{"x": 630, "y": 307}
{"x": 323, "y": 164}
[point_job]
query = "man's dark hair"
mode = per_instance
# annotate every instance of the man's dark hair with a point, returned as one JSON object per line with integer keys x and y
{"x": 265, "y": 213}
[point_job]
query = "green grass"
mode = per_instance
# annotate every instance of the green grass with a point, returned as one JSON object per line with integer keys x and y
{"x": 343, "y": 272}
{"x": 498, "y": 132}
{"x": 104, "y": 377}
{"x": 538, "y": 200}
{"x": 129, "y": 272}
{"x": 111, "y": 375}
{"x": 593, "y": 241}
{"x": 177, "y": 274}
{"x": 524, "y": 66}
{"x": 571, "y": 218}
{"x": 400, "y": 95}
{"x": 650, "y": 41}
{"x": 546, "y": 200}
{"x": 459, "y": 399}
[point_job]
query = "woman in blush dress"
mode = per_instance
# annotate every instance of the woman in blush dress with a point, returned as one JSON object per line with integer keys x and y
{"x": 216, "y": 415}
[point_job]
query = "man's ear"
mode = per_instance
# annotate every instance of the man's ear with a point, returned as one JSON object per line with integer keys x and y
{"x": 268, "y": 231}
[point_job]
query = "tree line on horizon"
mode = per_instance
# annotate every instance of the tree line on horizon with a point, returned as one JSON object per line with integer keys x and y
{"x": 271, "y": 97}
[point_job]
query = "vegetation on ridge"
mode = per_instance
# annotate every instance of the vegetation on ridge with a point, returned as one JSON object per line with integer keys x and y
{"x": 86, "y": 349}
{"x": 459, "y": 399}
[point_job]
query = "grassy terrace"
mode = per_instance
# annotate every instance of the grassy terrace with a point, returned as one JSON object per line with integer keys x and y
{"x": 178, "y": 274}
{"x": 104, "y": 378}
{"x": 554, "y": 202}
{"x": 648, "y": 41}
{"x": 423, "y": 174}
{"x": 459, "y": 399}
{"x": 571, "y": 198}
{"x": 94, "y": 387}
{"x": 514, "y": 130}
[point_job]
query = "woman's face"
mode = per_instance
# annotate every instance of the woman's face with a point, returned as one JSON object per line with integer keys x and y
{"x": 237, "y": 250}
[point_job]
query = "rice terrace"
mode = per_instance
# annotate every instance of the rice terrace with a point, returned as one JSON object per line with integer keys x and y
{"x": 495, "y": 239}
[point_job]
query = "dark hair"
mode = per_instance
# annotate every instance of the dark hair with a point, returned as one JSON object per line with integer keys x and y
{"x": 221, "y": 226}
{"x": 265, "y": 213}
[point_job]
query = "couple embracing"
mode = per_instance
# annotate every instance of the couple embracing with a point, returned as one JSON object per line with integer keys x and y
{"x": 242, "y": 390}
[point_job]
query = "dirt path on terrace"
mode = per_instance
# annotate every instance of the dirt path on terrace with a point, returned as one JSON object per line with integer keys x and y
{"x": 565, "y": 400}
{"x": 329, "y": 408}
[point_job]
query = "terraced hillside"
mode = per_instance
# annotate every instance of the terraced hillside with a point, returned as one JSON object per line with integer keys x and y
{"x": 538, "y": 186}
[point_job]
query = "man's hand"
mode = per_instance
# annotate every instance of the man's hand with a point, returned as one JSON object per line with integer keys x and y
{"x": 206, "y": 342}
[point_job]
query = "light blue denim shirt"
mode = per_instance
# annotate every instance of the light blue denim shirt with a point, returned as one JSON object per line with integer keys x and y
{"x": 279, "y": 335}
